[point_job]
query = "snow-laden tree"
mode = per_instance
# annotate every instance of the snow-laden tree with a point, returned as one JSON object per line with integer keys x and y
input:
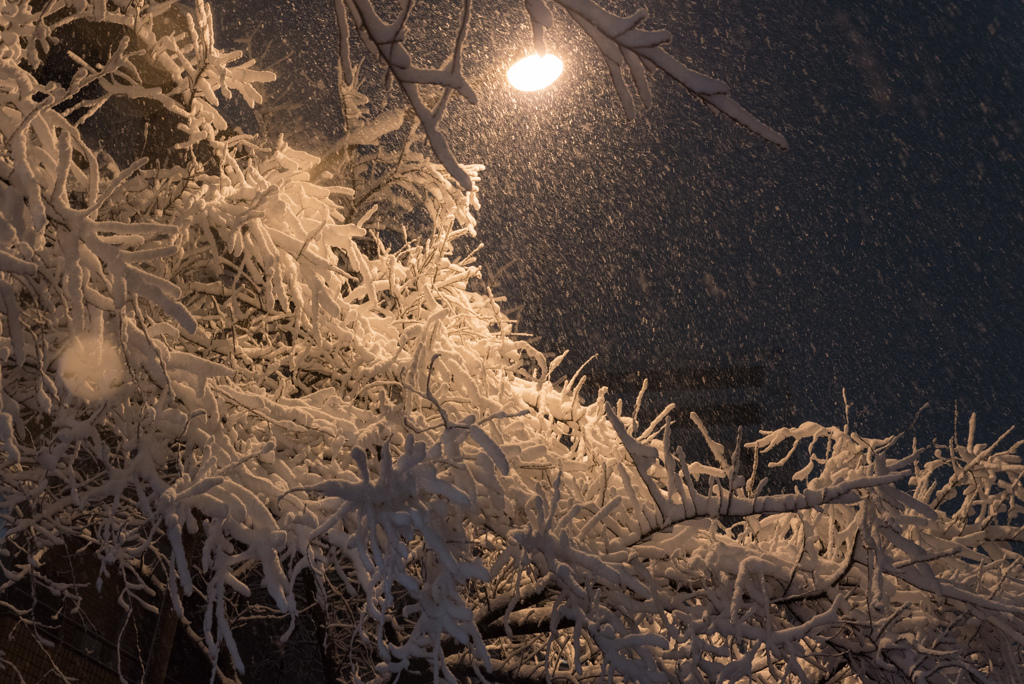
{"x": 227, "y": 394}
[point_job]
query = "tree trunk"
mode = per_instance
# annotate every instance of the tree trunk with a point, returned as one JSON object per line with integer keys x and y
{"x": 331, "y": 673}
{"x": 162, "y": 644}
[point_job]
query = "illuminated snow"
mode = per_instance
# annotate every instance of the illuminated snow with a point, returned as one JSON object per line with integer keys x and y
{"x": 92, "y": 368}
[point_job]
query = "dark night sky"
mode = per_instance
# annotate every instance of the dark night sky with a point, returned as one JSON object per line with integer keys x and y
{"x": 881, "y": 253}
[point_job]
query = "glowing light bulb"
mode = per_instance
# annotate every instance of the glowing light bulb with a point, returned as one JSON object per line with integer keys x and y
{"x": 92, "y": 368}
{"x": 535, "y": 72}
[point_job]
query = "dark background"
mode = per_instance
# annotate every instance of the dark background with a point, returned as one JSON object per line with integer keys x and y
{"x": 880, "y": 254}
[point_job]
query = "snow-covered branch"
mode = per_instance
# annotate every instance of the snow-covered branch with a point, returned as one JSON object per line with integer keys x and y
{"x": 627, "y": 47}
{"x": 386, "y": 41}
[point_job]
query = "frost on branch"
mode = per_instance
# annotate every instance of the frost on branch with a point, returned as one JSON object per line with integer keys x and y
{"x": 225, "y": 397}
{"x": 625, "y": 46}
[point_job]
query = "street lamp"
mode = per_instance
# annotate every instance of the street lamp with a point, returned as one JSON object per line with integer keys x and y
{"x": 535, "y": 72}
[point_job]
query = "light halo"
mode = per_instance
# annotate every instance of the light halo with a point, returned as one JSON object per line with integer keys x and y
{"x": 534, "y": 72}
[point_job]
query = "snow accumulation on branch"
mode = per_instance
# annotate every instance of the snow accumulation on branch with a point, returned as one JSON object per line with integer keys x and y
{"x": 230, "y": 405}
{"x": 623, "y": 44}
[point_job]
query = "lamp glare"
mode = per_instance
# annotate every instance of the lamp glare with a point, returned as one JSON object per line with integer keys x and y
{"x": 535, "y": 72}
